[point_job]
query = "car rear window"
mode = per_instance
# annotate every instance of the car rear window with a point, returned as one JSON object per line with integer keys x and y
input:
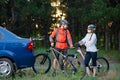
{"x": 0, "y": 36}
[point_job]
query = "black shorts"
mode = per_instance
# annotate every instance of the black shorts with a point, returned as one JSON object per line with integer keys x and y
{"x": 90, "y": 55}
{"x": 64, "y": 52}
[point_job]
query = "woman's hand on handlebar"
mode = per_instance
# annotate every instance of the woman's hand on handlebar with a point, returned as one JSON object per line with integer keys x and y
{"x": 77, "y": 44}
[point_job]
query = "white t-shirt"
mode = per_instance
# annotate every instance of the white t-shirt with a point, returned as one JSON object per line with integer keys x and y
{"x": 90, "y": 42}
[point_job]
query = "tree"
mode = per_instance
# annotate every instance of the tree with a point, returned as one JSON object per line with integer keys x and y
{"x": 102, "y": 13}
{"x": 22, "y": 15}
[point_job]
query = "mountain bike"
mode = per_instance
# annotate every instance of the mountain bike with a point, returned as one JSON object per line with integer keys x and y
{"x": 102, "y": 63}
{"x": 68, "y": 66}
{"x": 42, "y": 61}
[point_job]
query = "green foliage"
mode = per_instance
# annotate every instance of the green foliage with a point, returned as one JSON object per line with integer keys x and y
{"x": 104, "y": 13}
{"x": 3, "y": 11}
{"x": 21, "y": 16}
{"x": 111, "y": 55}
{"x": 32, "y": 7}
{"x": 96, "y": 10}
{"x": 115, "y": 13}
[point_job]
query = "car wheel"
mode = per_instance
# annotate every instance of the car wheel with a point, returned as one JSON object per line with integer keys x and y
{"x": 6, "y": 67}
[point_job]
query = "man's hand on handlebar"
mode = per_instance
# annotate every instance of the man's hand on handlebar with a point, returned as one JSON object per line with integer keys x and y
{"x": 71, "y": 46}
{"x": 52, "y": 44}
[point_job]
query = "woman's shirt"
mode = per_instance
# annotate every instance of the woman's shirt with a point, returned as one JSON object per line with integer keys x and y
{"x": 90, "y": 42}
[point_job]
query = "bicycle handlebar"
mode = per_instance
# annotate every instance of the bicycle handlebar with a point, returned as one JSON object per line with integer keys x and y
{"x": 38, "y": 38}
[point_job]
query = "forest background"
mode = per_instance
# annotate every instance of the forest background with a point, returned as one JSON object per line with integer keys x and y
{"x": 32, "y": 18}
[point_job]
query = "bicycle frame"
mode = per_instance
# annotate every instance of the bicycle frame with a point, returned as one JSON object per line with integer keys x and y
{"x": 83, "y": 57}
{"x": 65, "y": 58}
{"x": 99, "y": 64}
{"x": 60, "y": 53}
{"x": 81, "y": 54}
{"x": 54, "y": 50}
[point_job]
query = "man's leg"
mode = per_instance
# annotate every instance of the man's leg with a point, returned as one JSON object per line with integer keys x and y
{"x": 54, "y": 67}
{"x": 55, "y": 64}
{"x": 64, "y": 52}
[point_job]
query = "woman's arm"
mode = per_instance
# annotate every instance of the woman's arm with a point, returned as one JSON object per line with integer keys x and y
{"x": 83, "y": 41}
{"x": 92, "y": 41}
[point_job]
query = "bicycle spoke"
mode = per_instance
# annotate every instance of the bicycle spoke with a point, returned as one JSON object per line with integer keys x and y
{"x": 102, "y": 66}
{"x": 42, "y": 64}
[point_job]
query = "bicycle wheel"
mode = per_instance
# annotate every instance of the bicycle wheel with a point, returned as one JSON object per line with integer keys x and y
{"x": 102, "y": 66}
{"x": 74, "y": 66}
{"x": 42, "y": 64}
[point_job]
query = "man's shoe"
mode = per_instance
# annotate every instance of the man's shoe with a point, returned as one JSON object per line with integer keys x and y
{"x": 54, "y": 74}
{"x": 63, "y": 71}
{"x": 62, "y": 67}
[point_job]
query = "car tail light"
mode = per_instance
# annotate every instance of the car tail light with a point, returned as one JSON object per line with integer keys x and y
{"x": 30, "y": 45}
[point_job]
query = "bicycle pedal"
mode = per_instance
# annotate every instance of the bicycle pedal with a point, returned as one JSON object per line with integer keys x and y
{"x": 73, "y": 72}
{"x": 54, "y": 74}
{"x": 62, "y": 67}
{"x": 63, "y": 71}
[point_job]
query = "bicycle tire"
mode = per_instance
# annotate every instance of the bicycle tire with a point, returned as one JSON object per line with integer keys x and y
{"x": 42, "y": 63}
{"x": 102, "y": 70}
{"x": 74, "y": 66}
{"x": 102, "y": 66}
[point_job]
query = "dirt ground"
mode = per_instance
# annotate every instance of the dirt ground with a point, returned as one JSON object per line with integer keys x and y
{"x": 113, "y": 73}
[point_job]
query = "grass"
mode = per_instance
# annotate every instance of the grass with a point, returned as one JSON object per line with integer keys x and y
{"x": 113, "y": 74}
{"x": 112, "y": 55}
{"x": 28, "y": 74}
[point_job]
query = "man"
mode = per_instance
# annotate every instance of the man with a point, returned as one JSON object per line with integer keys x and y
{"x": 62, "y": 40}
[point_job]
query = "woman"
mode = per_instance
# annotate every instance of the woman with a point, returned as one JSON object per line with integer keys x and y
{"x": 91, "y": 51}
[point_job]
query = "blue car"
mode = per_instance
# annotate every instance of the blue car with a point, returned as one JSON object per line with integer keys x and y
{"x": 15, "y": 53}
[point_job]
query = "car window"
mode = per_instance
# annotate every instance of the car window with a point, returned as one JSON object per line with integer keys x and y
{"x": 0, "y": 36}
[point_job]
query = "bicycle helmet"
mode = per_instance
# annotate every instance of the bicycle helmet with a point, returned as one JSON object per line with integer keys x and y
{"x": 63, "y": 22}
{"x": 92, "y": 27}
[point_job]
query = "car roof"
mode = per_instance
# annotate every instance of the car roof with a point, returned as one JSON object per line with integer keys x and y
{"x": 6, "y": 34}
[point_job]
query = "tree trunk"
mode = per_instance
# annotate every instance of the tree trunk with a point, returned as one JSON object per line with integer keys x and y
{"x": 116, "y": 40}
{"x": 111, "y": 40}
{"x": 72, "y": 28}
{"x": 12, "y": 13}
{"x": 106, "y": 38}
{"x": 119, "y": 40}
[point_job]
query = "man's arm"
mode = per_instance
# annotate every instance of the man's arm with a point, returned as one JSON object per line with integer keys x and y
{"x": 69, "y": 38}
{"x": 52, "y": 36}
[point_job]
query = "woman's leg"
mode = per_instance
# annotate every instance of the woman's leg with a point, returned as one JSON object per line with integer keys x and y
{"x": 94, "y": 71}
{"x": 87, "y": 59}
{"x": 88, "y": 71}
{"x": 94, "y": 58}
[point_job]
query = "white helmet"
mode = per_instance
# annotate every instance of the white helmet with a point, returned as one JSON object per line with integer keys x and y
{"x": 92, "y": 27}
{"x": 63, "y": 22}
